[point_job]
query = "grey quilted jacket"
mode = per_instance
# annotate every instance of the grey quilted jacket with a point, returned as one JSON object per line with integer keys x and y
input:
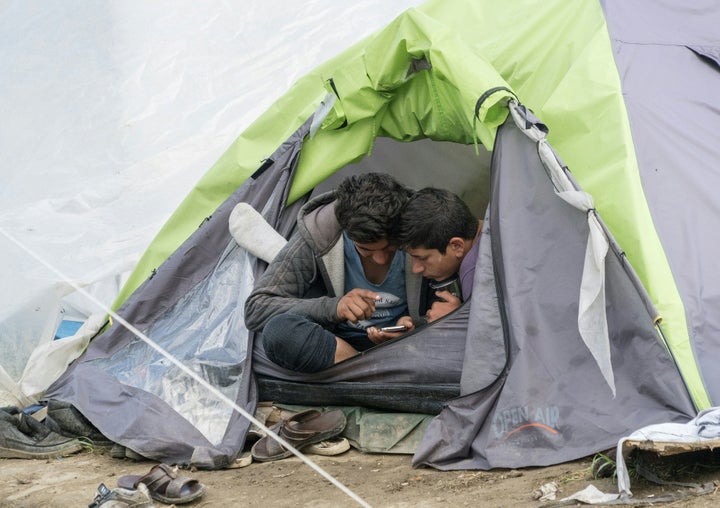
{"x": 307, "y": 276}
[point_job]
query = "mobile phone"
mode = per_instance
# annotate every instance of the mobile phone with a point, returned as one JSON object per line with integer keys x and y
{"x": 399, "y": 328}
{"x": 452, "y": 285}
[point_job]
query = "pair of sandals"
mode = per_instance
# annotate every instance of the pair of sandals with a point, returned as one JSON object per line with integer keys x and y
{"x": 161, "y": 483}
{"x": 301, "y": 430}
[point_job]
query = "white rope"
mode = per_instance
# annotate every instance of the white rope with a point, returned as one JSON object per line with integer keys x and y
{"x": 189, "y": 372}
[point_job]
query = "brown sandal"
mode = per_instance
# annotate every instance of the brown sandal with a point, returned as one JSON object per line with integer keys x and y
{"x": 165, "y": 485}
{"x": 300, "y": 430}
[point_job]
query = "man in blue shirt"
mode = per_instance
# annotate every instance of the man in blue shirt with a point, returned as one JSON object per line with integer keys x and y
{"x": 339, "y": 278}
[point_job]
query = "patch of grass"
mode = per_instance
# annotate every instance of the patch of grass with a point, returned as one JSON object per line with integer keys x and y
{"x": 604, "y": 465}
{"x": 86, "y": 443}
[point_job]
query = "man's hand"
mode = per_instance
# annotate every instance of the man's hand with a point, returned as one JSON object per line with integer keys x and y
{"x": 445, "y": 306}
{"x": 378, "y": 337}
{"x": 356, "y": 305}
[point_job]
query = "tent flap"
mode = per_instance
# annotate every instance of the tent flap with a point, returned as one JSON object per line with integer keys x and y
{"x": 553, "y": 402}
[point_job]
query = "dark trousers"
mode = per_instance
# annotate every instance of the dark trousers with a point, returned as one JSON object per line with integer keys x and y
{"x": 299, "y": 344}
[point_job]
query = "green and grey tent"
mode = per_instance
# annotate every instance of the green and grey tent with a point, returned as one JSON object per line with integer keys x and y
{"x": 592, "y": 313}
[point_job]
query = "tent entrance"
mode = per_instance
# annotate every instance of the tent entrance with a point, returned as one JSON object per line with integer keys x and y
{"x": 372, "y": 380}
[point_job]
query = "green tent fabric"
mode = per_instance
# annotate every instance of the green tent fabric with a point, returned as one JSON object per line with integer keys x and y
{"x": 473, "y": 47}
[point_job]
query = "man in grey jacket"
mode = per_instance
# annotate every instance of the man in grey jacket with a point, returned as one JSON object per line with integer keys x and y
{"x": 338, "y": 275}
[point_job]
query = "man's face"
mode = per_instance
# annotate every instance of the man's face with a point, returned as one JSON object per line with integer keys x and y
{"x": 381, "y": 252}
{"x": 433, "y": 265}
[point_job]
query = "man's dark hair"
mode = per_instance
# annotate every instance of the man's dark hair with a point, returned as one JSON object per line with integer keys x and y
{"x": 367, "y": 205}
{"x": 431, "y": 217}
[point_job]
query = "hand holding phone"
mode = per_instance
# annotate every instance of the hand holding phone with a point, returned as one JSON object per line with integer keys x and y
{"x": 380, "y": 335}
{"x": 394, "y": 329}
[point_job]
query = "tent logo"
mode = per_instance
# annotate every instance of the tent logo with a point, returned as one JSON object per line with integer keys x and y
{"x": 517, "y": 419}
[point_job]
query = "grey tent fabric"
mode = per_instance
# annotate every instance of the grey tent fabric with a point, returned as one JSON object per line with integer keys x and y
{"x": 486, "y": 347}
{"x": 201, "y": 289}
{"x": 193, "y": 308}
{"x": 500, "y": 362}
{"x": 551, "y": 403}
{"x": 671, "y": 85}
{"x": 509, "y": 374}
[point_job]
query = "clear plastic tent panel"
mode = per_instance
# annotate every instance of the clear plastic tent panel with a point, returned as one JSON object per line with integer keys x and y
{"x": 214, "y": 310}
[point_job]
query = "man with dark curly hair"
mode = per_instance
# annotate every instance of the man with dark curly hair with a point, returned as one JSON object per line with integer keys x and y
{"x": 441, "y": 236}
{"x": 339, "y": 274}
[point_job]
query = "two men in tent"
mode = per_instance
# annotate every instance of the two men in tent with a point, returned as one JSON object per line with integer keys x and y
{"x": 341, "y": 277}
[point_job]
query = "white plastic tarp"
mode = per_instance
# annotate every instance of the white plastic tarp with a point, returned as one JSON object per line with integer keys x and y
{"x": 111, "y": 113}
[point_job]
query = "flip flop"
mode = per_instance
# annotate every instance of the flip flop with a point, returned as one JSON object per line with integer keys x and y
{"x": 300, "y": 430}
{"x": 164, "y": 485}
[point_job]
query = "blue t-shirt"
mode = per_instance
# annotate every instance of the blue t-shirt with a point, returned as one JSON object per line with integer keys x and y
{"x": 393, "y": 297}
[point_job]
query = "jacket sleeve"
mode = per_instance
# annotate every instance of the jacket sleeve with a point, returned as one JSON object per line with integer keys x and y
{"x": 284, "y": 286}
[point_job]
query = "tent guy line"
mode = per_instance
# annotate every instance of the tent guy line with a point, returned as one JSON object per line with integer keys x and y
{"x": 187, "y": 371}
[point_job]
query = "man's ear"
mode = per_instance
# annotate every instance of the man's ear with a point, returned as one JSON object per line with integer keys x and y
{"x": 457, "y": 246}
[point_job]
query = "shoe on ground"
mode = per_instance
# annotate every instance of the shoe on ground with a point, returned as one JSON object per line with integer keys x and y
{"x": 119, "y": 451}
{"x": 22, "y": 437}
{"x": 64, "y": 418}
{"x": 122, "y": 498}
{"x": 329, "y": 447}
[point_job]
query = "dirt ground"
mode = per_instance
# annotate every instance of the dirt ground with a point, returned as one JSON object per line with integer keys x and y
{"x": 379, "y": 480}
